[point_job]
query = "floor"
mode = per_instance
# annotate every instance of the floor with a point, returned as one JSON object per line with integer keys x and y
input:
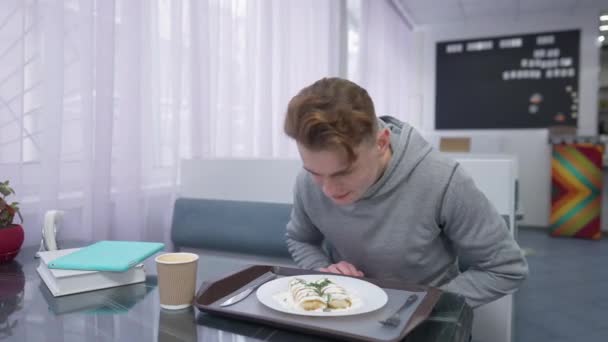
{"x": 565, "y": 297}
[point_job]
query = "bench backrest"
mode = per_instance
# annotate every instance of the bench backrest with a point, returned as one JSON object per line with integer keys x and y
{"x": 231, "y": 226}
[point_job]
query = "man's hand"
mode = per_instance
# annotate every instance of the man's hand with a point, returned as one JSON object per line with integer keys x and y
{"x": 343, "y": 267}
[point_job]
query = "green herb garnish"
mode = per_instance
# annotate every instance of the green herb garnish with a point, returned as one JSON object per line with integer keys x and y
{"x": 319, "y": 285}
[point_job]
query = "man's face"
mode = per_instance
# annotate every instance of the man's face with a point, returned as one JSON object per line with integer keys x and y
{"x": 344, "y": 182}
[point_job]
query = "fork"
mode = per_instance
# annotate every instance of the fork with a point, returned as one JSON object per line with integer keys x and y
{"x": 395, "y": 320}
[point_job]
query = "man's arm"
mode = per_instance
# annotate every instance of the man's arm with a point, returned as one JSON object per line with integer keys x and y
{"x": 481, "y": 238}
{"x": 304, "y": 239}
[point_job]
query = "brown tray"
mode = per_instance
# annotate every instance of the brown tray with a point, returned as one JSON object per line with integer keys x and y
{"x": 364, "y": 327}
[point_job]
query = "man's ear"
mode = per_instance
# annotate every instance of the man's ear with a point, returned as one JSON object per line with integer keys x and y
{"x": 383, "y": 141}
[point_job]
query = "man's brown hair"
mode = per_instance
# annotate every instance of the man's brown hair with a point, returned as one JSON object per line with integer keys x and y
{"x": 331, "y": 113}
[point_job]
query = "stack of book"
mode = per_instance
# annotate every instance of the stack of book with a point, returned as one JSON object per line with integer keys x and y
{"x": 100, "y": 301}
{"x": 99, "y": 266}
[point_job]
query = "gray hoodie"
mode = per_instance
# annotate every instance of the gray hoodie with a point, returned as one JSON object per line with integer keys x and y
{"x": 411, "y": 225}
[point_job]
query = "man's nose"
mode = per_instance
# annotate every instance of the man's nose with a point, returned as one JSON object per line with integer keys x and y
{"x": 330, "y": 187}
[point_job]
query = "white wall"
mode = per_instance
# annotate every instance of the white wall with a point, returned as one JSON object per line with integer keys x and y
{"x": 534, "y": 159}
{"x": 259, "y": 180}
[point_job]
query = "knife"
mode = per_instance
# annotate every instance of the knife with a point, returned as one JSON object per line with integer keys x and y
{"x": 246, "y": 292}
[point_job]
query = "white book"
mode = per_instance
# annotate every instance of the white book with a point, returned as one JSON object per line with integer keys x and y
{"x": 65, "y": 282}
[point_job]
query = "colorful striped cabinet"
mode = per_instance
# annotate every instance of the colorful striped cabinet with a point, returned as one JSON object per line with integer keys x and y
{"x": 576, "y": 194}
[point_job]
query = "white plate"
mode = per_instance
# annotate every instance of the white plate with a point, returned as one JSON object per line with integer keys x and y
{"x": 366, "y": 297}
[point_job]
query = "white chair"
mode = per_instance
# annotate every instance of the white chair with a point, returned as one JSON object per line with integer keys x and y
{"x": 496, "y": 177}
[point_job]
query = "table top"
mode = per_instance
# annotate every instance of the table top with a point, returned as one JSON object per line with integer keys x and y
{"x": 28, "y": 311}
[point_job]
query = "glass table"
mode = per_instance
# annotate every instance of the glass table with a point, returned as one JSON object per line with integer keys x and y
{"x": 28, "y": 311}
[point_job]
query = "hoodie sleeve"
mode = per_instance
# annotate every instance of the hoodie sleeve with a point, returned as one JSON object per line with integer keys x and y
{"x": 496, "y": 265}
{"x": 304, "y": 240}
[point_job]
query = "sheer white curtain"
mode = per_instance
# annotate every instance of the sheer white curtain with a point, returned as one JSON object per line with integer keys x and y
{"x": 100, "y": 99}
{"x": 386, "y": 59}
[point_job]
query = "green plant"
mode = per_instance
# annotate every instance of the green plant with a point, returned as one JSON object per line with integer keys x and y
{"x": 7, "y": 211}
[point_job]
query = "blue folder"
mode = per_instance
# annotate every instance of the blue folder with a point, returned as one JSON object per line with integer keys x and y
{"x": 114, "y": 256}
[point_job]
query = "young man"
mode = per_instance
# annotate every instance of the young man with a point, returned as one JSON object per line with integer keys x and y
{"x": 376, "y": 200}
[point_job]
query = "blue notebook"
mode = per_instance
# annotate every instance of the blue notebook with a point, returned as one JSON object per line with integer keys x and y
{"x": 114, "y": 256}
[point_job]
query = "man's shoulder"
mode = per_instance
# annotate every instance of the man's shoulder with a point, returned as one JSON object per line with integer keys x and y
{"x": 438, "y": 164}
{"x": 445, "y": 170}
{"x": 431, "y": 176}
{"x": 303, "y": 178}
{"x": 304, "y": 182}
{"x": 306, "y": 191}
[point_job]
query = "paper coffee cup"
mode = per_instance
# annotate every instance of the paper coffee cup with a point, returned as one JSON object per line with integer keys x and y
{"x": 176, "y": 279}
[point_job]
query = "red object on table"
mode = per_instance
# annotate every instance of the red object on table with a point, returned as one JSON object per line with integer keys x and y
{"x": 11, "y": 239}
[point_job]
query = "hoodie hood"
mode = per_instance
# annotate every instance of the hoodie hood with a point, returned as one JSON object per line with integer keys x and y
{"x": 408, "y": 148}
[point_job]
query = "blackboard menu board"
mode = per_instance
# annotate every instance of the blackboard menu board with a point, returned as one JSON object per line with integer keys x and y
{"x": 518, "y": 81}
